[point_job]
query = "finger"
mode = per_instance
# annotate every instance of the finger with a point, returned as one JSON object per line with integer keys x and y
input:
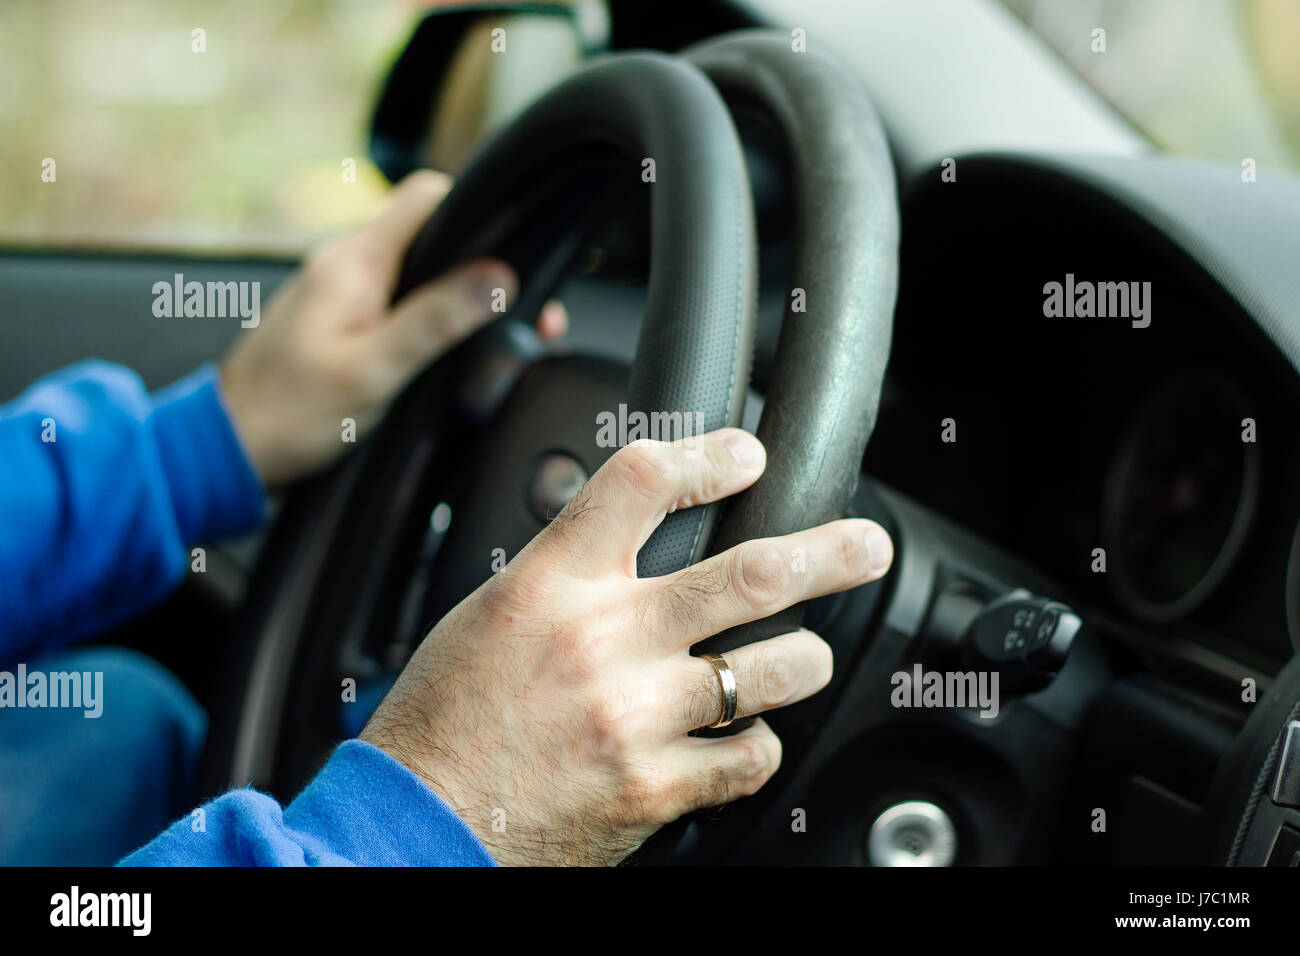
{"x": 769, "y": 674}
{"x": 715, "y": 770}
{"x": 755, "y": 579}
{"x": 443, "y": 312}
{"x": 383, "y": 241}
{"x": 553, "y": 321}
{"x": 618, "y": 509}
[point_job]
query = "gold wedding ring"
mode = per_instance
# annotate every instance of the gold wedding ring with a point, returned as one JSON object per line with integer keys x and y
{"x": 728, "y": 681}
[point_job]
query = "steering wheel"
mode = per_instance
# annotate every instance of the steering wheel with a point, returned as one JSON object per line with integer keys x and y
{"x": 508, "y": 434}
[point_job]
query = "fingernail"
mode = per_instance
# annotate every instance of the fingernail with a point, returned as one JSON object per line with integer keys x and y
{"x": 880, "y": 550}
{"x": 745, "y": 448}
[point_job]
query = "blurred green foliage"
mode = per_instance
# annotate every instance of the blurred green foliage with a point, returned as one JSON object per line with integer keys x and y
{"x": 238, "y": 147}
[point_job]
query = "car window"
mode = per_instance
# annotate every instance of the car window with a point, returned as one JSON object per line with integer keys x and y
{"x": 236, "y": 127}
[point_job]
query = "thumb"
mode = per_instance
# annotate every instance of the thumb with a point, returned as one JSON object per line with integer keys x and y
{"x": 437, "y": 315}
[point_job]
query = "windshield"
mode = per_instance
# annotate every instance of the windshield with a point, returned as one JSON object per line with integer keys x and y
{"x": 1213, "y": 78}
{"x": 242, "y": 126}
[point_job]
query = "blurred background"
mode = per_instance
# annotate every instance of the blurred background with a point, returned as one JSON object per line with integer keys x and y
{"x": 240, "y": 148}
{"x": 1212, "y": 78}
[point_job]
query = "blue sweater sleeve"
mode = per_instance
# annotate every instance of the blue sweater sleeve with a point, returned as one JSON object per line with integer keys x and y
{"x": 102, "y": 490}
{"x": 363, "y": 809}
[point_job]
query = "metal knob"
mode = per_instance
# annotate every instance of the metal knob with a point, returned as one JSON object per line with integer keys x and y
{"x": 914, "y": 833}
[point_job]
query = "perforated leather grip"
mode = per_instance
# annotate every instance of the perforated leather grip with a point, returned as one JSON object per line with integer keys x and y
{"x": 529, "y": 192}
{"x": 825, "y": 385}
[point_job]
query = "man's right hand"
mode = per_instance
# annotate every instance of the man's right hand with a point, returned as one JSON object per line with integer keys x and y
{"x": 551, "y": 708}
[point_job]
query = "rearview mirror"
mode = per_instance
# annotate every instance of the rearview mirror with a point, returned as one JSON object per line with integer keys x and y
{"x": 471, "y": 68}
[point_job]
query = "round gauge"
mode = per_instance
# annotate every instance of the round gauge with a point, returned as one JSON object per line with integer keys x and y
{"x": 1179, "y": 497}
{"x": 1293, "y": 591}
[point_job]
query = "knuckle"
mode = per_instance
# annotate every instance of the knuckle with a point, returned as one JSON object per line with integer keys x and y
{"x": 339, "y": 269}
{"x": 709, "y": 477}
{"x": 646, "y": 467}
{"x": 774, "y": 678}
{"x": 520, "y": 591}
{"x": 579, "y": 653}
{"x": 321, "y": 261}
{"x": 762, "y": 576}
{"x": 715, "y": 479}
{"x": 353, "y": 281}
{"x": 853, "y": 553}
{"x": 722, "y": 463}
{"x": 609, "y": 728}
{"x": 752, "y": 767}
{"x": 756, "y": 768}
{"x": 822, "y": 660}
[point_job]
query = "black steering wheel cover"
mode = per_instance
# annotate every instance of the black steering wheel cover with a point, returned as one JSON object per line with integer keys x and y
{"x": 695, "y": 346}
{"x": 824, "y": 391}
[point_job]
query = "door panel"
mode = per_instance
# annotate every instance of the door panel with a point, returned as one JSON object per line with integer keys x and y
{"x": 59, "y": 309}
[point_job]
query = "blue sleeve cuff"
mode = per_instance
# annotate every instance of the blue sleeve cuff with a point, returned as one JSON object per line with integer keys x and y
{"x": 373, "y": 811}
{"x": 215, "y": 491}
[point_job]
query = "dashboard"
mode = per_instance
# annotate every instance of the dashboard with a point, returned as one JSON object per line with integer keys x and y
{"x": 1142, "y": 461}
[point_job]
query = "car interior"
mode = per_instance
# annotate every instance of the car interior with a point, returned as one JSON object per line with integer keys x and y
{"x": 1102, "y": 510}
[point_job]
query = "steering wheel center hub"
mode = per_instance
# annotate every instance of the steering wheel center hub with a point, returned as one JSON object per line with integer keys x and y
{"x": 556, "y": 478}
